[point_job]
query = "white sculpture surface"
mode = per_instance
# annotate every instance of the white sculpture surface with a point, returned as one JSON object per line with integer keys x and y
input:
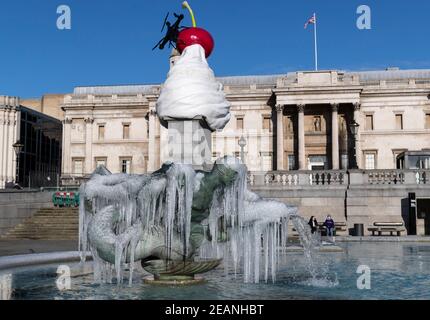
{"x": 191, "y": 91}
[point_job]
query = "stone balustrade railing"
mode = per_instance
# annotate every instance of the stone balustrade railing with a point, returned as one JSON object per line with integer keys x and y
{"x": 298, "y": 178}
{"x": 327, "y": 178}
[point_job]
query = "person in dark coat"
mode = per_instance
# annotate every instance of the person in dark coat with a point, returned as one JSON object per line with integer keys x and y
{"x": 330, "y": 225}
{"x": 313, "y": 223}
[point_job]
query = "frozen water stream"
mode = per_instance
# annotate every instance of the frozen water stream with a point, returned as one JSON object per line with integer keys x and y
{"x": 164, "y": 216}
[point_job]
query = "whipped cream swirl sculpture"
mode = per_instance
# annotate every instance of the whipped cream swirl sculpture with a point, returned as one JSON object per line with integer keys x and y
{"x": 191, "y": 90}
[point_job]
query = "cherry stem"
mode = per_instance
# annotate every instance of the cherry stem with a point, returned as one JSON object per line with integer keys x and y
{"x": 186, "y": 5}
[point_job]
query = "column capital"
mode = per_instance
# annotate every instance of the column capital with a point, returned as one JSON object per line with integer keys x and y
{"x": 67, "y": 120}
{"x": 89, "y": 120}
{"x": 279, "y": 108}
{"x": 301, "y": 107}
{"x": 334, "y": 107}
{"x": 357, "y": 106}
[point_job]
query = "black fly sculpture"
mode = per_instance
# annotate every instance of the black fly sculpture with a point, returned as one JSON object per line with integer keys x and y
{"x": 172, "y": 32}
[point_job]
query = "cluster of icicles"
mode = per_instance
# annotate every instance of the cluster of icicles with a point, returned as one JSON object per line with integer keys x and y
{"x": 256, "y": 229}
{"x": 246, "y": 231}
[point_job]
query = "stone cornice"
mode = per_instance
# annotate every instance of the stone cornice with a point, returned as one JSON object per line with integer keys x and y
{"x": 318, "y": 89}
{"x": 394, "y": 92}
{"x": 233, "y": 97}
{"x": 99, "y": 106}
{"x": 394, "y": 132}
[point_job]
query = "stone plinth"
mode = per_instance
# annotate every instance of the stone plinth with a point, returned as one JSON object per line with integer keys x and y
{"x": 190, "y": 142}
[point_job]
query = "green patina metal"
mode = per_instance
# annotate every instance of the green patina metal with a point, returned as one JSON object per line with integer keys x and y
{"x": 65, "y": 199}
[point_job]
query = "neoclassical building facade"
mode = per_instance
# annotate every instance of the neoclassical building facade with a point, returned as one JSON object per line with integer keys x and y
{"x": 297, "y": 121}
{"x": 37, "y": 162}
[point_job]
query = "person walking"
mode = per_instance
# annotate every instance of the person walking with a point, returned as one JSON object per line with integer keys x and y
{"x": 313, "y": 223}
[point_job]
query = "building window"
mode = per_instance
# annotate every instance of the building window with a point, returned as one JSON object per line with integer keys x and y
{"x": 78, "y": 167}
{"x": 125, "y": 165}
{"x": 267, "y": 123}
{"x": 370, "y": 160}
{"x": 317, "y": 124}
{"x": 399, "y": 121}
{"x": 101, "y": 131}
{"x": 318, "y": 162}
{"x": 291, "y": 162}
{"x": 239, "y": 123}
{"x": 427, "y": 120}
{"x": 396, "y": 154}
{"x": 369, "y": 122}
{"x": 101, "y": 162}
{"x": 126, "y": 131}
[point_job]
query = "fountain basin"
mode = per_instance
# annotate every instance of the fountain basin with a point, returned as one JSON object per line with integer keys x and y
{"x": 40, "y": 259}
{"x": 398, "y": 271}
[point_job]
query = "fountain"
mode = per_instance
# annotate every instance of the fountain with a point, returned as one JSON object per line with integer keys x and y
{"x": 189, "y": 216}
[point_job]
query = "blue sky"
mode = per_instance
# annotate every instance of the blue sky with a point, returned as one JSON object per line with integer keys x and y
{"x": 111, "y": 41}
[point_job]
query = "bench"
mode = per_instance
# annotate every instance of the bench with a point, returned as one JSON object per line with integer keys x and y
{"x": 339, "y": 227}
{"x": 391, "y": 227}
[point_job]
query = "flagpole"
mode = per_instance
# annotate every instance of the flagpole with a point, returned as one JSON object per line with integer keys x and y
{"x": 316, "y": 43}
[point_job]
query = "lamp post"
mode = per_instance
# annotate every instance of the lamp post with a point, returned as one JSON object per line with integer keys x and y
{"x": 242, "y": 145}
{"x": 18, "y": 146}
{"x": 354, "y": 127}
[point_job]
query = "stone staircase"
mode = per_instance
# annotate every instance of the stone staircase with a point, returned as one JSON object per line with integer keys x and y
{"x": 47, "y": 224}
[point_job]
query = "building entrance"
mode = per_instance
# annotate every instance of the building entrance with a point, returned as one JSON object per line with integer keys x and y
{"x": 423, "y": 212}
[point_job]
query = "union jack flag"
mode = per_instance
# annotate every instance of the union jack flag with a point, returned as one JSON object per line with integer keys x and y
{"x": 312, "y": 20}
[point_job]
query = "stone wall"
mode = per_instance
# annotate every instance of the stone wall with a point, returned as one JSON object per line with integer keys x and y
{"x": 15, "y": 207}
{"x": 49, "y": 104}
{"x": 354, "y": 205}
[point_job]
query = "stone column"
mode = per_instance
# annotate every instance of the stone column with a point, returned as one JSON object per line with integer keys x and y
{"x": 301, "y": 136}
{"x": 89, "y": 144}
{"x": 280, "y": 137}
{"x": 335, "y": 136}
{"x": 9, "y": 149}
{"x": 190, "y": 142}
{"x": 67, "y": 161}
{"x": 13, "y": 139}
{"x": 151, "y": 144}
{"x": 357, "y": 108}
{"x": 2, "y": 142}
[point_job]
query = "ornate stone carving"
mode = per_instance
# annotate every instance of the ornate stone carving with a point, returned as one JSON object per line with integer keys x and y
{"x": 89, "y": 120}
{"x": 301, "y": 108}
{"x": 279, "y": 108}
{"x": 334, "y": 107}
{"x": 68, "y": 120}
{"x": 357, "y": 106}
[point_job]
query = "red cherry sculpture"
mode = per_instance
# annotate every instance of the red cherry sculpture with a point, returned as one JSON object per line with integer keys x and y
{"x": 192, "y": 36}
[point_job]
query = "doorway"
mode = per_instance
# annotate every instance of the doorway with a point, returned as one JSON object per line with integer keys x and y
{"x": 423, "y": 212}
